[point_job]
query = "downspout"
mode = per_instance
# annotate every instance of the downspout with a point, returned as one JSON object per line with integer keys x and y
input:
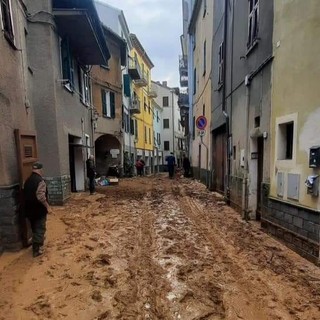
{"x": 224, "y": 89}
{"x": 245, "y": 183}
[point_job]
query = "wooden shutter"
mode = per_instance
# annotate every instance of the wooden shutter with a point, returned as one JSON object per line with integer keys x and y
{"x": 104, "y": 102}
{"x": 126, "y": 85}
{"x": 112, "y": 105}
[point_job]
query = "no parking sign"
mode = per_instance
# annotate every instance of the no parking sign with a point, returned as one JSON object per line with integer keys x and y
{"x": 201, "y": 122}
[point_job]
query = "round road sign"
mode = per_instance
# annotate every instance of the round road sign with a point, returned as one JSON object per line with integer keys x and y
{"x": 201, "y": 122}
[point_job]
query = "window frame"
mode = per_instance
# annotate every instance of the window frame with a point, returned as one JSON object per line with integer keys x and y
{"x": 108, "y": 106}
{"x": 167, "y": 142}
{"x": 194, "y": 81}
{"x": 253, "y": 23}
{"x": 9, "y": 36}
{"x": 167, "y": 99}
{"x": 86, "y": 91}
{"x": 221, "y": 64}
{"x": 166, "y": 121}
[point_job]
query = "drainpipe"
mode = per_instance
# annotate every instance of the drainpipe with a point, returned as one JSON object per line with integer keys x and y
{"x": 245, "y": 183}
{"x": 224, "y": 103}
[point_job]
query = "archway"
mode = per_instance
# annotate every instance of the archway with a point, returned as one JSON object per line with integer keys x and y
{"x": 108, "y": 153}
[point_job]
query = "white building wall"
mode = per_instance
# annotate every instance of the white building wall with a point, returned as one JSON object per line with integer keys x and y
{"x": 171, "y": 112}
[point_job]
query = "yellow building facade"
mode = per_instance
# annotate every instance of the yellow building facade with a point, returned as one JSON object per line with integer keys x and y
{"x": 143, "y": 118}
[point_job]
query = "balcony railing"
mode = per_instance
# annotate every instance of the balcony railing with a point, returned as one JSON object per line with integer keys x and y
{"x": 143, "y": 81}
{"x": 135, "y": 106}
{"x": 134, "y": 69}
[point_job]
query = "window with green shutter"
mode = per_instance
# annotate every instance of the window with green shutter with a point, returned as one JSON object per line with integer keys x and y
{"x": 67, "y": 63}
{"x": 127, "y": 85}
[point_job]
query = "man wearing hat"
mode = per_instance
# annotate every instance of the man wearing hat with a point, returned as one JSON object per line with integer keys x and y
{"x": 36, "y": 207}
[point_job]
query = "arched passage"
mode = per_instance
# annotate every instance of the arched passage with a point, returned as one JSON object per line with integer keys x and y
{"x": 108, "y": 153}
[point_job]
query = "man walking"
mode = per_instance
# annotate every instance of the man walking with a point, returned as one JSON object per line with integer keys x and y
{"x": 91, "y": 173}
{"x": 186, "y": 166}
{"x": 36, "y": 207}
{"x": 171, "y": 160}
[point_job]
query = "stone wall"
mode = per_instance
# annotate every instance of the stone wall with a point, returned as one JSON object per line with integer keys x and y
{"x": 59, "y": 189}
{"x": 10, "y": 233}
{"x": 298, "y": 227}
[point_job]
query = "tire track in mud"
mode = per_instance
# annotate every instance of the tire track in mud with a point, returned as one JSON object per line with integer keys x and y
{"x": 250, "y": 294}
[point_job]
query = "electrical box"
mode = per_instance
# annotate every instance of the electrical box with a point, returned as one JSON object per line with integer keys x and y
{"x": 312, "y": 184}
{"x": 314, "y": 157}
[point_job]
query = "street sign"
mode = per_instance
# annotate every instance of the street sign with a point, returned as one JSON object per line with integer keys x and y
{"x": 201, "y": 122}
{"x": 202, "y": 133}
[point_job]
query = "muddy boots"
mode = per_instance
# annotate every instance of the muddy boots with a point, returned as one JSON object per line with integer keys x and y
{"x": 37, "y": 250}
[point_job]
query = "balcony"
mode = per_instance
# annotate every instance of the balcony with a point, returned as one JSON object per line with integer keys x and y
{"x": 135, "y": 106}
{"x": 183, "y": 100}
{"x": 183, "y": 69}
{"x": 134, "y": 69}
{"x": 143, "y": 81}
{"x": 152, "y": 94}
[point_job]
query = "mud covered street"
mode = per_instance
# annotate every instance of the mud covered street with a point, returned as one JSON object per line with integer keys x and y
{"x": 152, "y": 248}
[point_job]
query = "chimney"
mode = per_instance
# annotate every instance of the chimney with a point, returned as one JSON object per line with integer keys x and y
{"x": 165, "y": 83}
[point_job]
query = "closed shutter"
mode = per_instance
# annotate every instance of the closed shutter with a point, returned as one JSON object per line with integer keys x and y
{"x": 104, "y": 102}
{"x": 112, "y": 105}
{"x": 126, "y": 85}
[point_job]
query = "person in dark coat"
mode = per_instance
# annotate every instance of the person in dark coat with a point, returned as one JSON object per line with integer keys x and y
{"x": 36, "y": 207}
{"x": 171, "y": 161}
{"x": 140, "y": 166}
{"x": 91, "y": 173}
{"x": 186, "y": 166}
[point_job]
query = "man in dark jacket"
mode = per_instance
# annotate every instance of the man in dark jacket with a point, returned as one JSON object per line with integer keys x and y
{"x": 91, "y": 173}
{"x": 171, "y": 160}
{"x": 36, "y": 207}
{"x": 186, "y": 166}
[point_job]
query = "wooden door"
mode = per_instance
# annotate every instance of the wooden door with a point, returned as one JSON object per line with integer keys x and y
{"x": 27, "y": 154}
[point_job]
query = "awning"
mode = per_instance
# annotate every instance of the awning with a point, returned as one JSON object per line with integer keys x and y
{"x": 79, "y": 22}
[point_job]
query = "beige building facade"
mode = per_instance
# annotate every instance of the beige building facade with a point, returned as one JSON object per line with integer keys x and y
{"x": 200, "y": 27}
{"x": 293, "y": 207}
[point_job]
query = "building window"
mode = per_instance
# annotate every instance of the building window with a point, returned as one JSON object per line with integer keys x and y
{"x": 88, "y": 151}
{"x": 165, "y": 101}
{"x": 204, "y": 57}
{"x": 85, "y": 87}
{"x": 136, "y": 134}
{"x": 204, "y": 8}
{"x": 7, "y": 24}
{"x": 158, "y": 138}
{"x": 145, "y": 134}
{"x": 145, "y": 103}
{"x": 285, "y": 140}
{"x": 158, "y": 116}
{"x": 165, "y": 123}
{"x": 253, "y": 22}
{"x": 221, "y": 63}
{"x": 150, "y": 135}
{"x": 67, "y": 64}
{"x": 108, "y": 104}
{"x": 132, "y": 131}
{"x": 166, "y": 145}
{"x": 149, "y": 107}
{"x": 204, "y": 110}
{"x": 194, "y": 81}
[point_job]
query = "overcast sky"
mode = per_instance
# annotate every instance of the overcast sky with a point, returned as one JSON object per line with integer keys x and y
{"x": 158, "y": 25}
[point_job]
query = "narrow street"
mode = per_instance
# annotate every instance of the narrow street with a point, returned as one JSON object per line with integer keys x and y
{"x": 152, "y": 248}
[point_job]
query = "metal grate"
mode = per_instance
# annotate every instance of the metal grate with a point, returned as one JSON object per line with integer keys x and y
{"x": 28, "y": 151}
